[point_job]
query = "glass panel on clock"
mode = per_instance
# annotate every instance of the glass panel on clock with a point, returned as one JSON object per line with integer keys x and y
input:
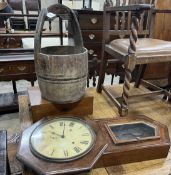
{"x": 132, "y": 132}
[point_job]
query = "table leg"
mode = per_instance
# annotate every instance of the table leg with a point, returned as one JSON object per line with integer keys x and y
{"x": 14, "y": 87}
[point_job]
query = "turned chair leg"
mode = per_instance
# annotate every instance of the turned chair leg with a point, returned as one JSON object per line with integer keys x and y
{"x": 129, "y": 67}
{"x": 102, "y": 72}
{"x": 129, "y": 64}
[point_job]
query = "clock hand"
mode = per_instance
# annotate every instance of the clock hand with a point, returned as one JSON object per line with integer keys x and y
{"x": 54, "y": 133}
{"x": 63, "y": 132}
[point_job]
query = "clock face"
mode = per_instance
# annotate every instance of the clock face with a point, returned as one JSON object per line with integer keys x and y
{"x": 62, "y": 139}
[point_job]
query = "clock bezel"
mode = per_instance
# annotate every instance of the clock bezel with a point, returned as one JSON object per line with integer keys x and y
{"x": 39, "y": 155}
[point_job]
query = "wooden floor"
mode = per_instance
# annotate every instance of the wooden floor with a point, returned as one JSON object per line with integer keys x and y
{"x": 154, "y": 108}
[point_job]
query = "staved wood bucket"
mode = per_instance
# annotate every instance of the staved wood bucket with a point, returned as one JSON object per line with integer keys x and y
{"x": 61, "y": 70}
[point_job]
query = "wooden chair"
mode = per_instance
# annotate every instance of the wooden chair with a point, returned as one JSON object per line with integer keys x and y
{"x": 17, "y": 22}
{"x": 134, "y": 20}
{"x": 32, "y": 7}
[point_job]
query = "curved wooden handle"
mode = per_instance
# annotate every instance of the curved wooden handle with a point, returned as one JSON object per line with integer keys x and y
{"x": 73, "y": 24}
{"x": 38, "y": 34}
{"x": 76, "y": 30}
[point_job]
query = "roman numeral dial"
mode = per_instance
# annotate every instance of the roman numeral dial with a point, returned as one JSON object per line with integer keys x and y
{"x": 65, "y": 139}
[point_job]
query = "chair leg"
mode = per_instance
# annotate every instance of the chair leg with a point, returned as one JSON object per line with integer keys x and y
{"x": 140, "y": 75}
{"x": 103, "y": 66}
{"x": 129, "y": 67}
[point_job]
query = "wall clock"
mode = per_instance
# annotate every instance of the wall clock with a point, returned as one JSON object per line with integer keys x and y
{"x": 69, "y": 138}
{"x": 69, "y": 145}
{"x": 62, "y": 144}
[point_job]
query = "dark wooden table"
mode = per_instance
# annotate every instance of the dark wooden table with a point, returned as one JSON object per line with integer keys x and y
{"x": 15, "y": 67}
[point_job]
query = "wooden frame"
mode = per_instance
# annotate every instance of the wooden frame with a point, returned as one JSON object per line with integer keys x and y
{"x": 130, "y": 60}
{"x": 120, "y": 142}
{"x": 109, "y": 155}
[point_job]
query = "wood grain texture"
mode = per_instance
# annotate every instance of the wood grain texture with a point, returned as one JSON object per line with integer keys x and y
{"x": 152, "y": 107}
{"x": 25, "y": 120}
{"x": 24, "y": 113}
{"x": 156, "y": 109}
{"x": 42, "y": 108}
{"x": 14, "y": 165}
{"x": 3, "y": 152}
{"x": 137, "y": 151}
{"x": 161, "y": 30}
{"x": 85, "y": 164}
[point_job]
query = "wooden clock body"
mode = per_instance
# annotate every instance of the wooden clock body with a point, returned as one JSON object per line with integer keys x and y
{"x": 104, "y": 152}
{"x": 117, "y": 154}
{"x": 41, "y": 166}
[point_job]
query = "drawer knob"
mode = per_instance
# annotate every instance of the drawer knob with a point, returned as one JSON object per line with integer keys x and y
{"x": 21, "y": 68}
{"x": 93, "y": 20}
{"x": 91, "y": 51}
{"x": 91, "y": 36}
{"x": 1, "y": 70}
{"x": 94, "y": 55}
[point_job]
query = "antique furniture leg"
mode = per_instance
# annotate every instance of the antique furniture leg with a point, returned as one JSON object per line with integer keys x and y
{"x": 112, "y": 79}
{"x": 92, "y": 73}
{"x": 102, "y": 72}
{"x": 14, "y": 86}
{"x": 106, "y": 38}
{"x": 94, "y": 80}
{"x": 140, "y": 75}
{"x": 120, "y": 80}
{"x": 32, "y": 83}
{"x": 130, "y": 65}
{"x": 94, "y": 64}
{"x": 88, "y": 82}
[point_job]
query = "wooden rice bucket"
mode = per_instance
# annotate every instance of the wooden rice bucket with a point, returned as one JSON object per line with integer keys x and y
{"x": 61, "y": 70}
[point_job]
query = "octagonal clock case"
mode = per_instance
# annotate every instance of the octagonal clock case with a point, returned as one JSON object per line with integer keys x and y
{"x": 70, "y": 145}
{"x": 60, "y": 145}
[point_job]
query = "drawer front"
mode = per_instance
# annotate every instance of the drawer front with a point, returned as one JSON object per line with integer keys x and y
{"x": 94, "y": 50}
{"x": 92, "y": 35}
{"x": 94, "y": 21}
{"x": 4, "y": 69}
{"x": 20, "y": 69}
{"x": 90, "y": 21}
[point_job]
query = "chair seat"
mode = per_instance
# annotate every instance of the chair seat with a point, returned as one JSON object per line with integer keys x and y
{"x": 146, "y": 47}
